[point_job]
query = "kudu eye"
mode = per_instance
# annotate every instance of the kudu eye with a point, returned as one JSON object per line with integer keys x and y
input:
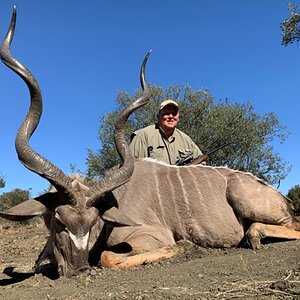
{"x": 58, "y": 219}
{"x": 57, "y": 216}
{"x": 59, "y": 225}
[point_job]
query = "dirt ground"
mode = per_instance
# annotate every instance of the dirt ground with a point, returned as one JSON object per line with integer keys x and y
{"x": 270, "y": 273}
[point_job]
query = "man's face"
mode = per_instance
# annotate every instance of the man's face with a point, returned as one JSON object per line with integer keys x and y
{"x": 168, "y": 117}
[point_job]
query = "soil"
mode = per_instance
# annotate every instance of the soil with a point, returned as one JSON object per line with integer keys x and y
{"x": 270, "y": 273}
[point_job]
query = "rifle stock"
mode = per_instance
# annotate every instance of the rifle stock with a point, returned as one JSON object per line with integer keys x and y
{"x": 200, "y": 159}
{"x": 204, "y": 157}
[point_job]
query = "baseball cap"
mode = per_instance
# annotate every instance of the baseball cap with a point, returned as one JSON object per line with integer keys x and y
{"x": 168, "y": 102}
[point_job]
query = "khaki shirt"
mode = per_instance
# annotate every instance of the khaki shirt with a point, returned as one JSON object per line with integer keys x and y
{"x": 150, "y": 142}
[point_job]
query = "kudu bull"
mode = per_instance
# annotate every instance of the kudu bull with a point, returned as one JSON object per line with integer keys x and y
{"x": 138, "y": 212}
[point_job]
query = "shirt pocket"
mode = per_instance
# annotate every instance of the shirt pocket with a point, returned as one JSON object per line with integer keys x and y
{"x": 185, "y": 152}
{"x": 157, "y": 153}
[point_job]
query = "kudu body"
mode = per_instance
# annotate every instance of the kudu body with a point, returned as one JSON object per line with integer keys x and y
{"x": 137, "y": 212}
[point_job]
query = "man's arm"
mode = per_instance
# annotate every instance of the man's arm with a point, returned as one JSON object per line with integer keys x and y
{"x": 196, "y": 150}
{"x": 138, "y": 146}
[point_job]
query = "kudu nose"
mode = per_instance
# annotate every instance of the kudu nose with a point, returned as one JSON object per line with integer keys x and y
{"x": 86, "y": 270}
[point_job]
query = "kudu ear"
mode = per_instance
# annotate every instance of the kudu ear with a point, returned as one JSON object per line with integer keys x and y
{"x": 24, "y": 211}
{"x": 116, "y": 218}
{"x": 32, "y": 207}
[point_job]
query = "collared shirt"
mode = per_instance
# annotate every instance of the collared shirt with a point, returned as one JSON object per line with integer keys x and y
{"x": 151, "y": 142}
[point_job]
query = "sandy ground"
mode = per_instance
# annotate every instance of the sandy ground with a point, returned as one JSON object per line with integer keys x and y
{"x": 270, "y": 273}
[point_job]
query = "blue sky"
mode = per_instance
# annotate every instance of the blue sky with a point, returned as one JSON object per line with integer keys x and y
{"x": 84, "y": 52}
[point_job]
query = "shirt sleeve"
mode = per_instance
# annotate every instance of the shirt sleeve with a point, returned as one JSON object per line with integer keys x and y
{"x": 196, "y": 151}
{"x": 138, "y": 146}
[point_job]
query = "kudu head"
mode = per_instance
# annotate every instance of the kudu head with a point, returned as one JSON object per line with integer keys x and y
{"x": 75, "y": 209}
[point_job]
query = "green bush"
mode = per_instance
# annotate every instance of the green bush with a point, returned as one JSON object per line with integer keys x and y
{"x": 294, "y": 195}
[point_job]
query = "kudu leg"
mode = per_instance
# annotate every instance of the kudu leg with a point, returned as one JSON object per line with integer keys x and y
{"x": 113, "y": 260}
{"x": 257, "y": 231}
{"x": 47, "y": 253}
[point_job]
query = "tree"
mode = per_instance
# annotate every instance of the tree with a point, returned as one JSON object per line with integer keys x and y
{"x": 13, "y": 198}
{"x": 209, "y": 124}
{"x": 2, "y": 182}
{"x": 294, "y": 195}
{"x": 290, "y": 29}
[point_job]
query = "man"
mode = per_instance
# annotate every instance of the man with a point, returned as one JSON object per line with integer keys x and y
{"x": 162, "y": 140}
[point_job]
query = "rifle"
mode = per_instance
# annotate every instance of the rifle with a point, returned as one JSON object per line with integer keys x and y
{"x": 204, "y": 157}
{"x": 200, "y": 159}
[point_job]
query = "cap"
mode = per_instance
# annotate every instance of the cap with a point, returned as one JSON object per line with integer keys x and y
{"x": 168, "y": 102}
